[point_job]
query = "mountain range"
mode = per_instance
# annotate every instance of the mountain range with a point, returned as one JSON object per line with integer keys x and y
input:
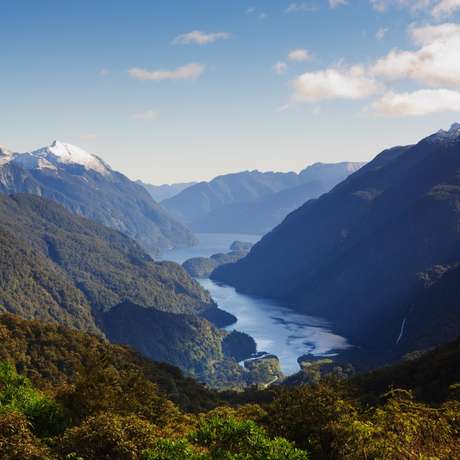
{"x": 87, "y": 186}
{"x": 61, "y": 268}
{"x": 165, "y": 191}
{"x": 252, "y": 202}
{"x": 378, "y": 256}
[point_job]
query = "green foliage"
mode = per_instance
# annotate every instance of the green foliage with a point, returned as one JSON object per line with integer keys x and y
{"x": 18, "y": 395}
{"x": 118, "y": 407}
{"x": 242, "y": 439}
{"x": 116, "y": 391}
{"x": 168, "y": 449}
{"x": 108, "y": 436}
{"x": 58, "y": 267}
{"x": 54, "y": 356}
{"x": 401, "y": 429}
{"x": 17, "y": 442}
{"x": 302, "y": 413}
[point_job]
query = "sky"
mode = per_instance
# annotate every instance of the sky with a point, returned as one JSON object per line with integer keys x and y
{"x": 178, "y": 90}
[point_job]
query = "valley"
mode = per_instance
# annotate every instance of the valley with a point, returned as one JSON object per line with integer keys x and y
{"x": 276, "y": 328}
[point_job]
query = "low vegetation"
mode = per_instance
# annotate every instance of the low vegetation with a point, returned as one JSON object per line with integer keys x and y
{"x": 79, "y": 398}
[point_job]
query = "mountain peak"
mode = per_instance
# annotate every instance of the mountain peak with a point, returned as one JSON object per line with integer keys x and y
{"x": 60, "y": 152}
{"x": 452, "y": 135}
{"x": 5, "y": 155}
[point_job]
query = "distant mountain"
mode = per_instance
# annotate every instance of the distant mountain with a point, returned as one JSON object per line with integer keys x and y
{"x": 165, "y": 191}
{"x": 87, "y": 186}
{"x": 60, "y": 268}
{"x": 252, "y": 201}
{"x": 378, "y": 255}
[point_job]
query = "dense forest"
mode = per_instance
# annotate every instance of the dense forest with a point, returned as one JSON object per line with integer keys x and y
{"x": 59, "y": 267}
{"x": 69, "y": 395}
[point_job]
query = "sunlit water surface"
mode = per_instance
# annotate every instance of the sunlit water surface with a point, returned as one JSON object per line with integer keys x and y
{"x": 276, "y": 328}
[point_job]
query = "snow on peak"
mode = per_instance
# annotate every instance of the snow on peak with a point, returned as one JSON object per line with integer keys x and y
{"x": 59, "y": 153}
{"x": 453, "y": 134}
{"x": 5, "y": 155}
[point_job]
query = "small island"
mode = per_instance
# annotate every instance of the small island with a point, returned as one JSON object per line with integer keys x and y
{"x": 202, "y": 267}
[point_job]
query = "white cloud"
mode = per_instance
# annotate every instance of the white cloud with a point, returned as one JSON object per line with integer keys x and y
{"x": 445, "y": 8}
{"x": 334, "y": 83}
{"x": 437, "y": 8}
{"x": 301, "y": 8}
{"x": 280, "y": 67}
{"x": 148, "y": 115}
{"x": 380, "y": 35}
{"x": 336, "y": 3}
{"x": 251, "y": 11}
{"x": 104, "y": 72}
{"x": 282, "y": 108}
{"x": 191, "y": 71}
{"x": 413, "y": 5}
{"x": 435, "y": 63}
{"x": 299, "y": 55}
{"x": 197, "y": 37}
{"x": 417, "y": 103}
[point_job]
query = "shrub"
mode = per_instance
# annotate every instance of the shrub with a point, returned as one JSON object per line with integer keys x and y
{"x": 17, "y": 394}
{"x": 108, "y": 436}
{"x": 17, "y": 442}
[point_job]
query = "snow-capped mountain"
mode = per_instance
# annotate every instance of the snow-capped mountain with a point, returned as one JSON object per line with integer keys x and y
{"x": 60, "y": 154}
{"x": 88, "y": 186}
{"x": 452, "y": 135}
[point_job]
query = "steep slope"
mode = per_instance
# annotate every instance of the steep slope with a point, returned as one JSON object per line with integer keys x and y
{"x": 52, "y": 355}
{"x": 62, "y": 268}
{"x": 87, "y": 186}
{"x": 165, "y": 191}
{"x": 356, "y": 255}
{"x": 253, "y": 202}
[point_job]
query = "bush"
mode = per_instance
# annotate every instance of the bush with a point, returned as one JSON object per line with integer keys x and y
{"x": 17, "y": 442}
{"x": 401, "y": 429}
{"x": 17, "y": 394}
{"x": 109, "y": 436}
{"x": 301, "y": 414}
{"x": 243, "y": 439}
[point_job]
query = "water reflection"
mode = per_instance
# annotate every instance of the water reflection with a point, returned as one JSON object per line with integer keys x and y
{"x": 275, "y": 328}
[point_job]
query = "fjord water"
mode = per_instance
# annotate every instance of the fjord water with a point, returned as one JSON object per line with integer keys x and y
{"x": 276, "y": 328}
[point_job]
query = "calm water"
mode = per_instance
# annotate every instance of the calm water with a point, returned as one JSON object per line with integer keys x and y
{"x": 209, "y": 244}
{"x": 275, "y": 328}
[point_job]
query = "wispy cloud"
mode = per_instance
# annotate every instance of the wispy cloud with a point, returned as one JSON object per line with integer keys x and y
{"x": 198, "y": 37}
{"x": 191, "y": 71}
{"x": 436, "y": 8}
{"x": 253, "y": 11}
{"x": 104, "y": 72}
{"x": 280, "y": 68}
{"x": 148, "y": 115}
{"x": 445, "y": 8}
{"x": 301, "y": 8}
{"x": 299, "y": 55}
{"x": 417, "y": 103}
{"x": 336, "y": 3}
{"x": 413, "y": 5}
{"x": 380, "y": 35}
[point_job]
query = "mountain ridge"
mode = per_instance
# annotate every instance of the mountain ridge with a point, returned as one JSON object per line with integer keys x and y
{"x": 253, "y": 202}
{"x": 354, "y": 255}
{"x": 87, "y": 186}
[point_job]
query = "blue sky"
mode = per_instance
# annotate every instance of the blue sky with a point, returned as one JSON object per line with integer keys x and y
{"x": 185, "y": 90}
